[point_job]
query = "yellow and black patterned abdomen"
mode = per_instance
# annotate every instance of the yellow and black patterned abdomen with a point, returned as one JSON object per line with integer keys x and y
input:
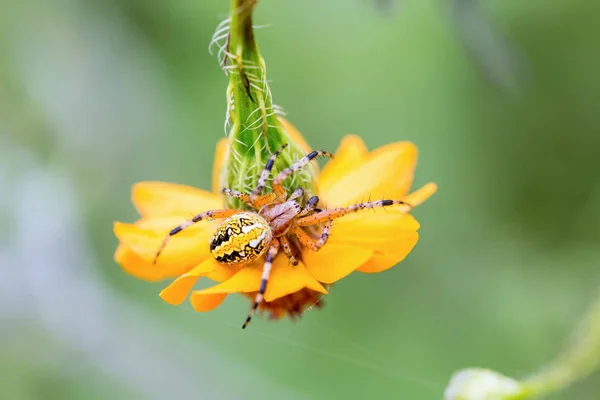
{"x": 241, "y": 238}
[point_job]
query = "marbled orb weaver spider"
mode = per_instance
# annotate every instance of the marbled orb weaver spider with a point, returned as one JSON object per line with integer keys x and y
{"x": 278, "y": 221}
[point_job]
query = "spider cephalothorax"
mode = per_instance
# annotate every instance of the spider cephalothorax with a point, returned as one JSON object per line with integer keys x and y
{"x": 278, "y": 220}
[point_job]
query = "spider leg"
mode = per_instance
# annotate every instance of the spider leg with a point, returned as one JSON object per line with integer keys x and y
{"x": 262, "y": 180}
{"x": 287, "y": 249}
{"x": 238, "y": 195}
{"x": 308, "y": 241}
{"x": 208, "y": 214}
{"x": 265, "y": 199}
{"x": 296, "y": 194}
{"x": 256, "y": 203}
{"x": 266, "y": 272}
{"x": 334, "y": 213}
{"x": 310, "y": 205}
{"x": 278, "y": 180}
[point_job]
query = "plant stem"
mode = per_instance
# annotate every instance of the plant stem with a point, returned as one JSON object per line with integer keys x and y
{"x": 578, "y": 359}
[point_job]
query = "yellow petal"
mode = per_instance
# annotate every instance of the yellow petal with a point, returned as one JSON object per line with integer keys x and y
{"x": 387, "y": 173}
{"x": 224, "y": 272}
{"x": 179, "y": 289}
{"x": 164, "y": 199}
{"x": 351, "y": 152}
{"x": 333, "y": 262}
{"x": 245, "y": 280}
{"x": 206, "y": 302}
{"x": 285, "y": 279}
{"x": 220, "y": 157}
{"x": 294, "y": 134}
{"x": 390, "y": 234}
{"x": 163, "y": 225}
{"x": 136, "y": 266}
{"x": 381, "y": 230}
{"x": 187, "y": 248}
{"x": 420, "y": 195}
{"x": 381, "y": 261}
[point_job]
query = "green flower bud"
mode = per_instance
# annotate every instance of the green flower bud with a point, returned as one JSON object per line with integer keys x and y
{"x": 252, "y": 120}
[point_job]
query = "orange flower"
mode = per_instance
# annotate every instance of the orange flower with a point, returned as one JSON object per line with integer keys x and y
{"x": 365, "y": 242}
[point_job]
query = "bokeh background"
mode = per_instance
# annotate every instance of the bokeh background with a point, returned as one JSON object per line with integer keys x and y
{"x": 501, "y": 96}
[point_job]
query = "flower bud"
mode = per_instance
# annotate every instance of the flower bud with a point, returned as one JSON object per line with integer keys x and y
{"x": 255, "y": 131}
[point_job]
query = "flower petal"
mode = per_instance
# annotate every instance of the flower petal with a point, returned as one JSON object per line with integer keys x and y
{"x": 381, "y": 261}
{"x": 294, "y": 134}
{"x": 390, "y": 234}
{"x": 206, "y": 302}
{"x": 382, "y": 230}
{"x": 165, "y": 199}
{"x": 245, "y": 280}
{"x": 189, "y": 247}
{"x": 285, "y": 279}
{"x": 420, "y": 195}
{"x": 136, "y": 266}
{"x": 223, "y": 272}
{"x": 220, "y": 157}
{"x": 387, "y": 173}
{"x": 333, "y": 262}
{"x": 180, "y": 288}
{"x": 351, "y": 152}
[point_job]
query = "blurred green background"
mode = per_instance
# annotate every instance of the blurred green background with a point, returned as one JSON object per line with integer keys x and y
{"x": 501, "y": 96}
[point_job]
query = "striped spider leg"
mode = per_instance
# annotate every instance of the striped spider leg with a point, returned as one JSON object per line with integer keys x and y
{"x": 324, "y": 216}
{"x": 200, "y": 217}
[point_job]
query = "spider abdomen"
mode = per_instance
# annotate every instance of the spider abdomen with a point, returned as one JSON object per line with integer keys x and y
{"x": 241, "y": 238}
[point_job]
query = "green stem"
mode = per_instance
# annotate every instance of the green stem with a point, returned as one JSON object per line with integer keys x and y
{"x": 241, "y": 25}
{"x": 578, "y": 360}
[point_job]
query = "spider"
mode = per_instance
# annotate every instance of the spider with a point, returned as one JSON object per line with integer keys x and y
{"x": 278, "y": 221}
